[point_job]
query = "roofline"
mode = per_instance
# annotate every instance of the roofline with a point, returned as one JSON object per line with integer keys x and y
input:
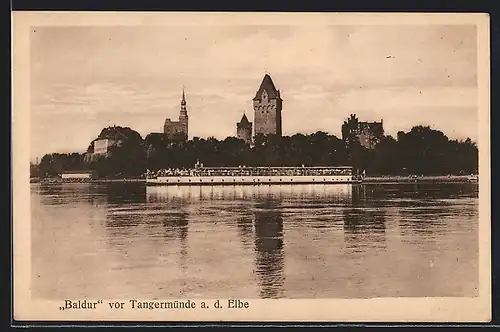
{"x": 271, "y": 98}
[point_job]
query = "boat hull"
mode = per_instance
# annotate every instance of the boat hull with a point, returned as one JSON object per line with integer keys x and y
{"x": 248, "y": 180}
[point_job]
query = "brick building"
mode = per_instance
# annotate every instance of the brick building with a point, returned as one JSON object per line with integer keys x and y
{"x": 267, "y": 105}
{"x": 368, "y": 134}
{"x": 178, "y": 129}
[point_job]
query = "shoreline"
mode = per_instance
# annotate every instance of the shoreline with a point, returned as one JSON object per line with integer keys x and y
{"x": 382, "y": 179}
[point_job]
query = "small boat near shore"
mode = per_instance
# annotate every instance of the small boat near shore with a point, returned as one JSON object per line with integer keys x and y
{"x": 473, "y": 178}
{"x": 34, "y": 179}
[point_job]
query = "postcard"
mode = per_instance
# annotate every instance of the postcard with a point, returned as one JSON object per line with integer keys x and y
{"x": 251, "y": 167}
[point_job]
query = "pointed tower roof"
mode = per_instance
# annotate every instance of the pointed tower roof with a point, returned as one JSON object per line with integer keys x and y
{"x": 268, "y": 86}
{"x": 183, "y": 101}
{"x": 244, "y": 123}
{"x": 244, "y": 119}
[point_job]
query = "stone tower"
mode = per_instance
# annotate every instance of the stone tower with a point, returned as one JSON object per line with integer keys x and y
{"x": 244, "y": 130}
{"x": 178, "y": 129}
{"x": 267, "y": 105}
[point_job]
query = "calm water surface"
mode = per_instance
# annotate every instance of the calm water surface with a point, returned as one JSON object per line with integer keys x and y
{"x": 291, "y": 241}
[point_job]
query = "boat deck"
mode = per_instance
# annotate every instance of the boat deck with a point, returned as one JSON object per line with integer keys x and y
{"x": 249, "y": 180}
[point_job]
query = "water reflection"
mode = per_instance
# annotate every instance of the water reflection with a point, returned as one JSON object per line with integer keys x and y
{"x": 68, "y": 193}
{"x": 125, "y": 206}
{"x": 358, "y": 195}
{"x": 364, "y": 222}
{"x": 423, "y": 220}
{"x": 244, "y": 223}
{"x": 96, "y": 194}
{"x": 267, "y": 204}
{"x": 123, "y": 193}
{"x": 364, "y": 229}
{"x": 265, "y": 228}
{"x": 411, "y": 193}
{"x": 298, "y": 192}
{"x": 269, "y": 258}
{"x": 350, "y": 241}
{"x": 176, "y": 225}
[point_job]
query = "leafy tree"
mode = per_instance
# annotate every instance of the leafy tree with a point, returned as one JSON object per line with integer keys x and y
{"x": 55, "y": 163}
{"x": 422, "y": 150}
{"x": 127, "y": 158}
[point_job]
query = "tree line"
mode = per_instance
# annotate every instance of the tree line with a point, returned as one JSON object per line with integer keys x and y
{"x": 421, "y": 150}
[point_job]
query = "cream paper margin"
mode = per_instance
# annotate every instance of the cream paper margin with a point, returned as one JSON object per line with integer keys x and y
{"x": 307, "y": 310}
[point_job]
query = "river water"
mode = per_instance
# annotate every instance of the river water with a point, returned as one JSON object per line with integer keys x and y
{"x": 292, "y": 241}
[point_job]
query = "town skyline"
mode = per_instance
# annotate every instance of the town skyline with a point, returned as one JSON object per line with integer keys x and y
{"x": 84, "y": 81}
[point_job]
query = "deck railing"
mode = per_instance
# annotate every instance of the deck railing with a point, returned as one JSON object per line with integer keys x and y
{"x": 252, "y": 171}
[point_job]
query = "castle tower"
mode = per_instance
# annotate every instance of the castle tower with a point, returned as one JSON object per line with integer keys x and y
{"x": 244, "y": 129}
{"x": 267, "y": 105}
{"x": 368, "y": 134}
{"x": 183, "y": 116}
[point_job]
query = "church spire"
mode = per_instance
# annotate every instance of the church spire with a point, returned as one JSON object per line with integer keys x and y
{"x": 183, "y": 101}
{"x": 183, "y": 114}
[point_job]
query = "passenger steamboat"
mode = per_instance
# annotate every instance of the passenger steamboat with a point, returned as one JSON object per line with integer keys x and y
{"x": 244, "y": 175}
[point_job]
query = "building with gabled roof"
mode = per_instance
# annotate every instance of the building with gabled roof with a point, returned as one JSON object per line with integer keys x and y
{"x": 267, "y": 105}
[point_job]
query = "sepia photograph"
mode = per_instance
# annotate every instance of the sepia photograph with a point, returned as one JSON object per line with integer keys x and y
{"x": 251, "y": 167}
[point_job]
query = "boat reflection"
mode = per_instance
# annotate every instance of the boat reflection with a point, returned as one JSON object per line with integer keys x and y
{"x": 123, "y": 193}
{"x": 296, "y": 191}
{"x": 269, "y": 253}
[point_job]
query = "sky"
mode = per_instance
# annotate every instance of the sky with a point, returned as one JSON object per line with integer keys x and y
{"x": 85, "y": 78}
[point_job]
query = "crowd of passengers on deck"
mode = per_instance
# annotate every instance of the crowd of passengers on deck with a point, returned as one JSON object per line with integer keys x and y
{"x": 249, "y": 171}
{"x": 86, "y": 179}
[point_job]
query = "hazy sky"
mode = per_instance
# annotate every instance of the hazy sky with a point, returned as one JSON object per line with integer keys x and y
{"x": 86, "y": 78}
